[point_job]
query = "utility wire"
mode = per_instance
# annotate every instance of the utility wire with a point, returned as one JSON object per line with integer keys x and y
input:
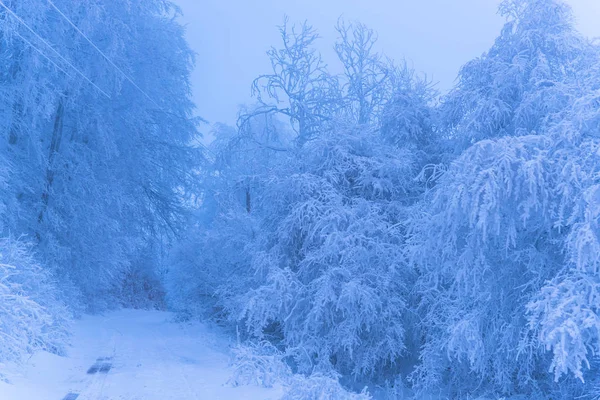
{"x": 70, "y": 64}
{"x": 102, "y": 53}
{"x": 43, "y": 54}
{"x": 11, "y": 12}
{"x": 127, "y": 77}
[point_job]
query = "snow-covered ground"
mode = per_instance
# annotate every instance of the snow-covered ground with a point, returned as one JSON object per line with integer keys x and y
{"x": 136, "y": 355}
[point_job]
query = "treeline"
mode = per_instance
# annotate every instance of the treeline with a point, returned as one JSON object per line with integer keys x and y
{"x": 375, "y": 231}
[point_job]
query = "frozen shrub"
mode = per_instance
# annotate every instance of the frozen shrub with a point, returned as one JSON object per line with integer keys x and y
{"x": 259, "y": 364}
{"x": 31, "y": 315}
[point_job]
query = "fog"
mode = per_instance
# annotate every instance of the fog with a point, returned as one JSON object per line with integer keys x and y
{"x": 435, "y": 36}
{"x": 357, "y": 236}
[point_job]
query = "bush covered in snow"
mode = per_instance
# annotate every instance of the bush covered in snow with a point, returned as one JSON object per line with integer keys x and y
{"x": 259, "y": 364}
{"x": 32, "y": 316}
{"x": 262, "y": 364}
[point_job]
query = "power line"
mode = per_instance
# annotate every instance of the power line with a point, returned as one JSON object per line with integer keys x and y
{"x": 127, "y": 77}
{"x": 52, "y": 48}
{"x": 42, "y": 54}
{"x": 69, "y": 63}
{"x": 102, "y": 53}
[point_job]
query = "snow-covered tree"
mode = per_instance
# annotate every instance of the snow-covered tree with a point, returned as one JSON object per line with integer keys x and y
{"x": 218, "y": 246}
{"x": 366, "y": 83}
{"x": 483, "y": 246}
{"x": 457, "y": 240}
{"x": 503, "y": 243}
{"x": 520, "y": 83}
{"x": 97, "y": 127}
{"x": 302, "y": 245}
{"x": 329, "y": 274}
{"x": 299, "y": 86}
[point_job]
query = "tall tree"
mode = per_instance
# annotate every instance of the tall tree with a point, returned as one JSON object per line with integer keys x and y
{"x": 99, "y": 132}
{"x": 299, "y": 86}
{"x": 516, "y": 87}
{"x": 501, "y": 243}
{"x": 366, "y": 78}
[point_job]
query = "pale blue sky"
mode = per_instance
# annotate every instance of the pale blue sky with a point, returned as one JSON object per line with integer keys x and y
{"x": 435, "y": 36}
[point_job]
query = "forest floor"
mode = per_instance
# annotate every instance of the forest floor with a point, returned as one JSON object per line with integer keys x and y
{"x": 134, "y": 355}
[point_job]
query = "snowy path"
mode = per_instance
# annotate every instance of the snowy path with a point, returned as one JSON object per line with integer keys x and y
{"x": 133, "y": 355}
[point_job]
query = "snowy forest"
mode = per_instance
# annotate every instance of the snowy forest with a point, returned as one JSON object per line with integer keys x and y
{"x": 355, "y": 235}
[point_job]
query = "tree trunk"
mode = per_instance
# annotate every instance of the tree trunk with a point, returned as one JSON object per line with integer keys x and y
{"x": 57, "y": 133}
{"x": 248, "y": 200}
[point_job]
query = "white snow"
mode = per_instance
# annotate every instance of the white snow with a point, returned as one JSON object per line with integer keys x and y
{"x": 152, "y": 358}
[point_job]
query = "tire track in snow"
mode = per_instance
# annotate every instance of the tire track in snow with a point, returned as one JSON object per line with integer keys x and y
{"x": 153, "y": 359}
{"x": 97, "y": 374}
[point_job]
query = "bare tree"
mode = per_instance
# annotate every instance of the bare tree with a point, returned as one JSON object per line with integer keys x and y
{"x": 299, "y": 86}
{"x": 366, "y": 72}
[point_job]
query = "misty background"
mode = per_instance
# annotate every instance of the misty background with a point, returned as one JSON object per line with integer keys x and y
{"x": 231, "y": 38}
